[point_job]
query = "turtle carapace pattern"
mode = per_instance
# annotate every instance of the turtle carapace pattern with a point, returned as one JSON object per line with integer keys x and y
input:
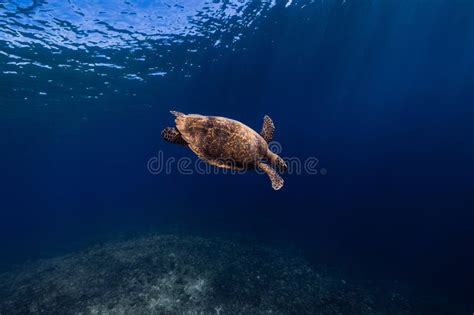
{"x": 227, "y": 143}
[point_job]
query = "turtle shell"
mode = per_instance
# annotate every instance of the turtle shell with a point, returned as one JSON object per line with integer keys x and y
{"x": 222, "y": 141}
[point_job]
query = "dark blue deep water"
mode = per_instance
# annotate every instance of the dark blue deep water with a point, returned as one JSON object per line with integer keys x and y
{"x": 379, "y": 93}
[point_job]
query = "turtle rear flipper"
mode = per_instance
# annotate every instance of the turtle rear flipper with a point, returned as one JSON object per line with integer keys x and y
{"x": 267, "y": 129}
{"x": 277, "y": 181}
{"x": 171, "y": 134}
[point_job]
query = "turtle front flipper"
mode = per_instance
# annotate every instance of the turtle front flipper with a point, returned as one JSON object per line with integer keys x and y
{"x": 267, "y": 129}
{"x": 171, "y": 134}
{"x": 277, "y": 181}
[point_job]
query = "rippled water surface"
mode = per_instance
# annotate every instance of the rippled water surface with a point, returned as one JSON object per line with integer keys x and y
{"x": 77, "y": 42}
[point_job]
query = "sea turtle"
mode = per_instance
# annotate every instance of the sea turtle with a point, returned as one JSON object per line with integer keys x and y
{"x": 227, "y": 143}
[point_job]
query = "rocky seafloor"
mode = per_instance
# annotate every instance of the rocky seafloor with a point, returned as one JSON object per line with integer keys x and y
{"x": 169, "y": 274}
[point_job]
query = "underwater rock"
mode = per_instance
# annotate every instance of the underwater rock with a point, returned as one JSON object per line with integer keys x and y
{"x": 167, "y": 274}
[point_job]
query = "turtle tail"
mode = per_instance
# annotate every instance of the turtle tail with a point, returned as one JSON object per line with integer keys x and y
{"x": 176, "y": 114}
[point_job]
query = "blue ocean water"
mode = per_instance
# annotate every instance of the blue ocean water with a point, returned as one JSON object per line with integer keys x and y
{"x": 378, "y": 94}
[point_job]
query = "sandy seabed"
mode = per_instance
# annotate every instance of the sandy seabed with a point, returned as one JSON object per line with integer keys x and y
{"x": 169, "y": 274}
